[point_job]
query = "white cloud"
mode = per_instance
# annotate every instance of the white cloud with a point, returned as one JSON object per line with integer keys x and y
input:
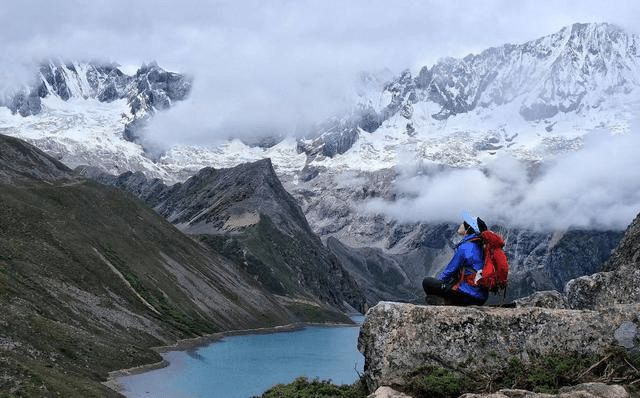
{"x": 595, "y": 187}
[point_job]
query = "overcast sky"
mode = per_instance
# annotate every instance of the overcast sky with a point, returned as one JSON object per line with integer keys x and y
{"x": 189, "y": 34}
{"x": 262, "y": 66}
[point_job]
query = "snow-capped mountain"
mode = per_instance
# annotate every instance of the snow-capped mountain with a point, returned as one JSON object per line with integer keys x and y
{"x": 89, "y": 113}
{"x": 531, "y": 100}
{"x": 150, "y": 89}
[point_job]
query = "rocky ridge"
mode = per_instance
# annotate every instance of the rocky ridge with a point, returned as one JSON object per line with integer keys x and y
{"x": 150, "y": 89}
{"x": 571, "y": 71}
{"x": 245, "y": 213}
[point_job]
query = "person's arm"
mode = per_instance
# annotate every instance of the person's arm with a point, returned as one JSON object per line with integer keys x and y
{"x": 453, "y": 268}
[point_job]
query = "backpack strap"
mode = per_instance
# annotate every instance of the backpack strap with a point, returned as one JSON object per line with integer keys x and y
{"x": 469, "y": 279}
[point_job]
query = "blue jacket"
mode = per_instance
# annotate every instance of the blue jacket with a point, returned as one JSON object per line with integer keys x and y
{"x": 468, "y": 255}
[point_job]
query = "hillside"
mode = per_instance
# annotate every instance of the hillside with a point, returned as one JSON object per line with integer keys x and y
{"x": 90, "y": 278}
{"x": 245, "y": 213}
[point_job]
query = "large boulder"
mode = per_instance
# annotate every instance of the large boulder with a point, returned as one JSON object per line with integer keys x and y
{"x": 397, "y": 339}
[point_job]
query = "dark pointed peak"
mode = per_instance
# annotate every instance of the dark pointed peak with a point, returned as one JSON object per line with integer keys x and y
{"x": 146, "y": 67}
{"x": 20, "y": 161}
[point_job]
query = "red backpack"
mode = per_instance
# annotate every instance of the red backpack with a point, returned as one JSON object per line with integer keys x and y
{"x": 496, "y": 268}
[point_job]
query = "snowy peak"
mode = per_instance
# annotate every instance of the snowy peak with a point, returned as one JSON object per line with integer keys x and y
{"x": 150, "y": 89}
{"x": 155, "y": 88}
{"x": 563, "y": 72}
{"x": 81, "y": 80}
{"x": 584, "y": 72}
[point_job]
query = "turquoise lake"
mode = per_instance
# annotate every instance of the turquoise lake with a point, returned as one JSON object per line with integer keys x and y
{"x": 247, "y": 365}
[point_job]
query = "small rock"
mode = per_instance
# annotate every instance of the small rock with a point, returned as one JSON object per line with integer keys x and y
{"x": 510, "y": 393}
{"x": 626, "y": 334}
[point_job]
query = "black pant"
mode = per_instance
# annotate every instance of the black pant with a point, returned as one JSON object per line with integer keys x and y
{"x": 435, "y": 287}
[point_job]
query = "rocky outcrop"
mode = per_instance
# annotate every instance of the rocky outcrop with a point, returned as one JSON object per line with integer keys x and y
{"x": 388, "y": 392}
{"x": 245, "y": 213}
{"x": 396, "y": 339}
{"x": 619, "y": 283}
{"x": 330, "y": 143}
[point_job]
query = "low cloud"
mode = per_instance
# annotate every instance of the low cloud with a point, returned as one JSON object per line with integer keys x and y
{"x": 595, "y": 187}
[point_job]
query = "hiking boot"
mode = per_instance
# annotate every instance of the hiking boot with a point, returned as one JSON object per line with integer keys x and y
{"x": 434, "y": 300}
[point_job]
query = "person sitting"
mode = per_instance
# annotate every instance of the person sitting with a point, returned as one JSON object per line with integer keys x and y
{"x": 456, "y": 283}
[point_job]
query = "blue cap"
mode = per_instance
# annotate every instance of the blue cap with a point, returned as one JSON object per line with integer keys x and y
{"x": 471, "y": 220}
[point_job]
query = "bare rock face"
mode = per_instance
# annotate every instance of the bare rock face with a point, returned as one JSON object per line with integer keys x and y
{"x": 245, "y": 214}
{"x": 619, "y": 284}
{"x": 586, "y": 390}
{"x": 397, "y": 339}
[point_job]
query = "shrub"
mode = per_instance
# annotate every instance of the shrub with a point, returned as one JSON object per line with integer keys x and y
{"x": 303, "y": 388}
{"x": 437, "y": 383}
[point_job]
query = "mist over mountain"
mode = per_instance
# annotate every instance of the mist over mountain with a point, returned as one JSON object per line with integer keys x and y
{"x": 594, "y": 187}
{"x": 493, "y": 133}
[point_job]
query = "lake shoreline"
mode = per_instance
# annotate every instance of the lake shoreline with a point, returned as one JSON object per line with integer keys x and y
{"x": 201, "y": 341}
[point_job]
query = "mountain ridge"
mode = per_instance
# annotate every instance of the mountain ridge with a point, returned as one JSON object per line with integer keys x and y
{"x": 571, "y": 70}
{"x": 245, "y": 213}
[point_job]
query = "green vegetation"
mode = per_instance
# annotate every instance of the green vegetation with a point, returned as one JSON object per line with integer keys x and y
{"x": 280, "y": 263}
{"x": 436, "y": 383}
{"x": 68, "y": 319}
{"x": 303, "y": 388}
{"x": 545, "y": 374}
